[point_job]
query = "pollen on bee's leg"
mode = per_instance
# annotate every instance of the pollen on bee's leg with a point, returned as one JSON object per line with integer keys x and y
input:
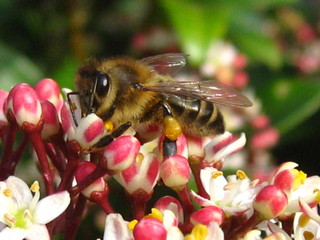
{"x": 108, "y": 126}
{"x": 172, "y": 128}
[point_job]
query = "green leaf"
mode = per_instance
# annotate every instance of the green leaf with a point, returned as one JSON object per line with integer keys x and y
{"x": 246, "y": 31}
{"x": 16, "y": 68}
{"x": 289, "y": 102}
{"x": 65, "y": 74}
{"x": 197, "y": 24}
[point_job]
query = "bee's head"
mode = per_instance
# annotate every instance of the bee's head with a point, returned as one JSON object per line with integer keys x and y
{"x": 93, "y": 86}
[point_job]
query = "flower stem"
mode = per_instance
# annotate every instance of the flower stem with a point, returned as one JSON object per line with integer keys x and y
{"x": 40, "y": 149}
{"x": 139, "y": 201}
{"x": 185, "y": 198}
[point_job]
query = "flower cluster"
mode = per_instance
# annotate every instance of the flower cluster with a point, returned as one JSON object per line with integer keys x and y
{"x": 78, "y": 167}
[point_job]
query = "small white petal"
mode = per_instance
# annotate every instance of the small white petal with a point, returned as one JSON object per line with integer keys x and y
{"x": 12, "y": 234}
{"x": 51, "y": 207}
{"x": 116, "y": 228}
{"x": 37, "y": 232}
{"x": 21, "y": 192}
{"x": 174, "y": 234}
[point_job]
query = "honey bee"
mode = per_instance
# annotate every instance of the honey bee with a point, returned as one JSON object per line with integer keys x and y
{"x": 127, "y": 92}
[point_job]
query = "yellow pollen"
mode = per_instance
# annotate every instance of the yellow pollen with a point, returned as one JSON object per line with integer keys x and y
{"x": 270, "y": 238}
{"x": 300, "y": 178}
{"x": 8, "y": 192}
{"x": 303, "y": 220}
{"x": 155, "y": 213}
{"x": 308, "y": 235}
{"x": 73, "y": 106}
{"x": 199, "y": 232}
{"x": 9, "y": 219}
{"x": 318, "y": 195}
{"x": 132, "y": 224}
{"x": 35, "y": 186}
{"x": 241, "y": 174}
{"x": 108, "y": 126}
{"x": 216, "y": 174}
{"x": 139, "y": 159}
{"x": 172, "y": 128}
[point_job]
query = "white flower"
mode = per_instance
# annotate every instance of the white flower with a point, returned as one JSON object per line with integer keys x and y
{"x": 25, "y": 216}
{"x": 233, "y": 195}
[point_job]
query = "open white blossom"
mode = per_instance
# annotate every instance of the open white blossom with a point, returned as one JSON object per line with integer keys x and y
{"x": 23, "y": 215}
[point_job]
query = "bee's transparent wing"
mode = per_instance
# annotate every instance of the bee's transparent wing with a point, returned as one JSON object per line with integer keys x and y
{"x": 208, "y": 90}
{"x": 168, "y": 63}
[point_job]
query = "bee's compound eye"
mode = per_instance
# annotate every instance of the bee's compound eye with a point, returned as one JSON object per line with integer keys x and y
{"x": 103, "y": 83}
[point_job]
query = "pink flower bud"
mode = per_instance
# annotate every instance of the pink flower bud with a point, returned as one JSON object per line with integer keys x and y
{"x": 48, "y": 89}
{"x": 195, "y": 146}
{"x": 142, "y": 175}
{"x": 240, "y": 61}
{"x": 224, "y": 145}
{"x": 149, "y": 229}
{"x": 3, "y": 119}
{"x": 89, "y": 130}
{"x": 284, "y": 180}
{"x": 207, "y": 215}
{"x": 260, "y": 121}
{"x": 172, "y": 204}
{"x": 23, "y": 103}
{"x": 265, "y": 139}
{"x": 270, "y": 202}
{"x": 83, "y": 170}
{"x": 121, "y": 153}
{"x": 175, "y": 171}
{"x": 51, "y": 122}
{"x": 240, "y": 80}
{"x": 67, "y": 121}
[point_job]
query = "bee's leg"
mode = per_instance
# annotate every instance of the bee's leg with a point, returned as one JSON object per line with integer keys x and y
{"x": 106, "y": 140}
{"x": 172, "y": 131}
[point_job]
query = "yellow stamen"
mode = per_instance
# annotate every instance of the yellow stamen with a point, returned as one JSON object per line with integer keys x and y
{"x": 318, "y": 195}
{"x": 155, "y": 213}
{"x": 216, "y": 174}
{"x": 172, "y": 128}
{"x": 132, "y": 224}
{"x": 73, "y": 106}
{"x": 241, "y": 174}
{"x": 303, "y": 220}
{"x": 300, "y": 178}
{"x": 308, "y": 235}
{"x": 35, "y": 186}
{"x": 9, "y": 219}
{"x": 139, "y": 159}
{"x": 199, "y": 232}
{"x": 8, "y": 192}
{"x": 108, "y": 126}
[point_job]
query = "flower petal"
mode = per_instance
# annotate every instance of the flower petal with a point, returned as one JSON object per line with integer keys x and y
{"x": 116, "y": 228}
{"x": 51, "y": 207}
{"x": 37, "y": 232}
{"x": 21, "y": 192}
{"x": 12, "y": 234}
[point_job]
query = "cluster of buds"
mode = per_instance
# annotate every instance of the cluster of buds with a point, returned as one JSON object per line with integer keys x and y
{"x": 75, "y": 172}
{"x": 299, "y": 40}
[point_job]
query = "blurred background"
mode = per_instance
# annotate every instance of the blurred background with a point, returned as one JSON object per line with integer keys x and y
{"x": 270, "y": 50}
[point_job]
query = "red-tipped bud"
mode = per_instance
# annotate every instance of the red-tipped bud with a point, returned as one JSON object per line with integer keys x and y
{"x": 260, "y": 121}
{"x": 149, "y": 229}
{"x": 207, "y": 215}
{"x": 51, "y": 124}
{"x": 240, "y": 61}
{"x": 172, "y": 204}
{"x": 240, "y": 80}
{"x": 142, "y": 175}
{"x": 224, "y": 145}
{"x": 24, "y": 106}
{"x": 3, "y": 119}
{"x": 265, "y": 139}
{"x": 175, "y": 171}
{"x": 48, "y": 89}
{"x": 270, "y": 202}
{"x": 121, "y": 153}
{"x": 83, "y": 170}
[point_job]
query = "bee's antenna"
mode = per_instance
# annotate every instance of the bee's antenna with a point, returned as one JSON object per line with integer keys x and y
{"x": 71, "y": 105}
{"x": 93, "y": 90}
